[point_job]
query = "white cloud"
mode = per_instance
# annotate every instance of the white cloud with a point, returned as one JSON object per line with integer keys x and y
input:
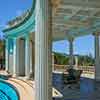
{"x": 2, "y": 25}
{"x": 19, "y": 12}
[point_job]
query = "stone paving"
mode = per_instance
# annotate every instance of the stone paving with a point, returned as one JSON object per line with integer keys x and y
{"x": 87, "y": 89}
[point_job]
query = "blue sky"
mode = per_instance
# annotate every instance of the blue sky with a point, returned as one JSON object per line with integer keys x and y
{"x": 82, "y": 45}
{"x": 11, "y": 8}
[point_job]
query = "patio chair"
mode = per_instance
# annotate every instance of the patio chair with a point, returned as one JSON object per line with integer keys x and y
{"x": 73, "y": 76}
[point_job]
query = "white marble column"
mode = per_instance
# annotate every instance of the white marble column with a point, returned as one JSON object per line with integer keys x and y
{"x": 7, "y": 56}
{"x": 71, "y": 52}
{"x": 53, "y": 67}
{"x": 16, "y": 57}
{"x": 43, "y": 55}
{"x": 32, "y": 59}
{"x": 27, "y": 57}
{"x": 22, "y": 57}
{"x": 10, "y": 59}
{"x": 97, "y": 57}
{"x": 31, "y": 64}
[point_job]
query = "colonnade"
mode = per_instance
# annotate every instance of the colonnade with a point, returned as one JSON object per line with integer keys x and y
{"x": 21, "y": 57}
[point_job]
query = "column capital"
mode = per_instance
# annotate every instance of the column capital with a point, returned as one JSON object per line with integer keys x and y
{"x": 96, "y": 34}
{"x": 71, "y": 39}
{"x": 27, "y": 36}
{"x": 15, "y": 40}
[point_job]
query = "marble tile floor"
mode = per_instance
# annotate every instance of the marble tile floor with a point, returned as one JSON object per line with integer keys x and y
{"x": 87, "y": 89}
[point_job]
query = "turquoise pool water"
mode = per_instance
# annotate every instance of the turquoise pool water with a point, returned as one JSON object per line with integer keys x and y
{"x": 7, "y": 91}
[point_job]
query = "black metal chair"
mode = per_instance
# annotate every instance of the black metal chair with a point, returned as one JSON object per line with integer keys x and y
{"x": 73, "y": 76}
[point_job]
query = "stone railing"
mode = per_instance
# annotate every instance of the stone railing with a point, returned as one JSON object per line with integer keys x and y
{"x": 62, "y": 68}
{"x": 87, "y": 69}
{"x": 57, "y": 67}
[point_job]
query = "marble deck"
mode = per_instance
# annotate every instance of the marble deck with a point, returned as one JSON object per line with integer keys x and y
{"x": 86, "y": 89}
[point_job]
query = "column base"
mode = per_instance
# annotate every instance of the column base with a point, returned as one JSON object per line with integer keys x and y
{"x": 97, "y": 78}
{"x": 32, "y": 75}
{"x": 15, "y": 75}
{"x": 27, "y": 77}
{"x": 7, "y": 71}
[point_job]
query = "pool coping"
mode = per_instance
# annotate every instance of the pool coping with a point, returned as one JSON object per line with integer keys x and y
{"x": 12, "y": 86}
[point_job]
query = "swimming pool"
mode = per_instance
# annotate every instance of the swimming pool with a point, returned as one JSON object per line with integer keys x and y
{"x": 7, "y": 91}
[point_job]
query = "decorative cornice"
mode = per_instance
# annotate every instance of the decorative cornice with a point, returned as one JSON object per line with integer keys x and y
{"x": 23, "y": 21}
{"x": 18, "y": 19}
